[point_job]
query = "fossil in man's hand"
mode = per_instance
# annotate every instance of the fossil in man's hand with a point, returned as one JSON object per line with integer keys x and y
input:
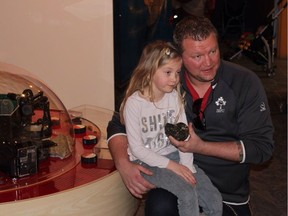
{"x": 179, "y": 131}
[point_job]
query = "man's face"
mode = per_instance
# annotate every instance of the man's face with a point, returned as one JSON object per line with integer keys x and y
{"x": 201, "y": 58}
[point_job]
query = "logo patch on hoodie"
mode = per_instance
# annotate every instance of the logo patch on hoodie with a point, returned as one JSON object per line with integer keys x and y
{"x": 221, "y": 105}
{"x": 262, "y": 107}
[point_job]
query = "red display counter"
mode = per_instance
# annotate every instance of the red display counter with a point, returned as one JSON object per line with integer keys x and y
{"x": 68, "y": 186}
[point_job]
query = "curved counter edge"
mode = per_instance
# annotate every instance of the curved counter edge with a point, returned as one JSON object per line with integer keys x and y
{"x": 107, "y": 196}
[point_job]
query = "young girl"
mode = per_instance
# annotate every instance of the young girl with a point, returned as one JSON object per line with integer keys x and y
{"x": 151, "y": 101}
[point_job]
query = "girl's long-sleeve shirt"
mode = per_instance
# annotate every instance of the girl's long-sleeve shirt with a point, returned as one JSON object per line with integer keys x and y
{"x": 145, "y": 126}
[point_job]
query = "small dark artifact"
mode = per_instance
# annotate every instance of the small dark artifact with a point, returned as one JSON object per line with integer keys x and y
{"x": 179, "y": 131}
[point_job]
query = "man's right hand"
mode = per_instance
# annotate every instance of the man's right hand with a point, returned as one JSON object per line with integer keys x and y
{"x": 134, "y": 181}
{"x": 130, "y": 172}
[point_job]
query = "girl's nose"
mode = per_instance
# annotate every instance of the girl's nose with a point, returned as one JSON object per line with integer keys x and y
{"x": 175, "y": 78}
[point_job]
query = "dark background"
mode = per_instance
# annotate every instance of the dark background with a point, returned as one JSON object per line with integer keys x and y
{"x": 131, "y": 31}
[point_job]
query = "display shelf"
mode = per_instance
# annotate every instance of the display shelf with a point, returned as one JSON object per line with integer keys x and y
{"x": 93, "y": 189}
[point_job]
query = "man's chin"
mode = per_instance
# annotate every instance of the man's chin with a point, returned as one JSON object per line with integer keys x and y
{"x": 205, "y": 79}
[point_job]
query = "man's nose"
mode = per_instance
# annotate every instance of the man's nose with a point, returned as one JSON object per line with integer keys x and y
{"x": 207, "y": 60}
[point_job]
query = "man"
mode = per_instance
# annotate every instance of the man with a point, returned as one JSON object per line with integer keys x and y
{"x": 230, "y": 124}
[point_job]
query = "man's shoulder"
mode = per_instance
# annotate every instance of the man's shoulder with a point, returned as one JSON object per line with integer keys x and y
{"x": 233, "y": 73}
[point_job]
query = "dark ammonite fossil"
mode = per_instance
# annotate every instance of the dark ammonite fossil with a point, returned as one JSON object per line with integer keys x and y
{"x": 179, "y": 131}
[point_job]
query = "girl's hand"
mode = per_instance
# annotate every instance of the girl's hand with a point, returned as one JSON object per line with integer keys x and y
{"x": 182, "y": 171}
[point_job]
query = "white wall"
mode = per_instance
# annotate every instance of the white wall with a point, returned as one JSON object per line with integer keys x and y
{"x": 66, "y": 43}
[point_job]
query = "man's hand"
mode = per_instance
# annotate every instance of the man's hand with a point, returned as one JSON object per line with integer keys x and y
{"x": 130, "y": 172}
{"x": 228, "y": 150}
{"x": 193, "y": 144}
{"x": 132, "y": 178}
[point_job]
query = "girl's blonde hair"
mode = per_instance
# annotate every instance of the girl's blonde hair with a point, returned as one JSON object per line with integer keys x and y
{"x": 154, "y": 55}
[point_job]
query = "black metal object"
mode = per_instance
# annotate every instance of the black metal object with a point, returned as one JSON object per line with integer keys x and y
{"x": 20, "y": 146}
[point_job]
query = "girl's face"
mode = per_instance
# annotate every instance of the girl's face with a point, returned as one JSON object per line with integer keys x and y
{"x": 166, "y": 78}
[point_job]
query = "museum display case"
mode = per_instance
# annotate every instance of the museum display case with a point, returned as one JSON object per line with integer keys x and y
{"x": 55, "y": 161}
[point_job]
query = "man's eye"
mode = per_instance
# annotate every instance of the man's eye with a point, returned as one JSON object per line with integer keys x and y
{"x": 196, "y": 57}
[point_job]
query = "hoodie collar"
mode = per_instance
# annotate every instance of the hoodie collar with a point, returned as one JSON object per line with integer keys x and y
{"x": 213, "y": 83}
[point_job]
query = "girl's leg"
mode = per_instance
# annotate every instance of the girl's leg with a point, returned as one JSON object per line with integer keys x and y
{"x": 209, "y": 197}
{"x": 186, "y": 193}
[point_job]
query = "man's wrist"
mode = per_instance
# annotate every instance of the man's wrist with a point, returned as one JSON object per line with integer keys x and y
{"x": 241, "y": 152}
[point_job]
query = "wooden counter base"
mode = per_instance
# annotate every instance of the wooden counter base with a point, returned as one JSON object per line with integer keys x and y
{"x": 105, "y": 197}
